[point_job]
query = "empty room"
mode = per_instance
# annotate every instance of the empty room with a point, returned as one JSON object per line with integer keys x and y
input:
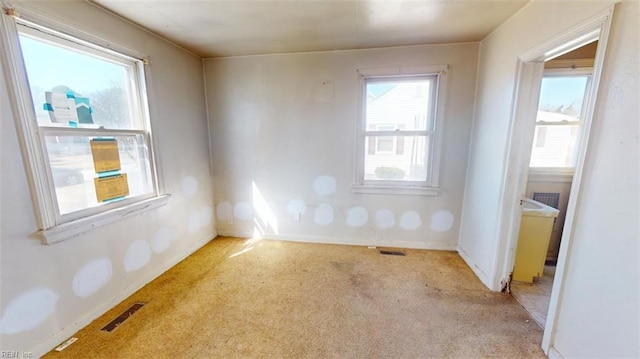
{"x": 320, "y": 179}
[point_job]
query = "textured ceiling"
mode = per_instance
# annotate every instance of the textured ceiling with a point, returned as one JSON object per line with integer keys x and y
{"x": 231, "y": 28}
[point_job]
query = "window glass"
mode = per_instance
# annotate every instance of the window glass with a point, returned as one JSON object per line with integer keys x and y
{"x": 59, "y": 75}
{"x": 559, "y": 121}
{"x": 73, "y": 170}
{"x": 404, "y": 162}
{"x": 404, "y": 104}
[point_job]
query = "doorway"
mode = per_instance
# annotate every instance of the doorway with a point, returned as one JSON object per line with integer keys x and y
{"x": 530, "y": 75}
{"x": 559, "y": 127}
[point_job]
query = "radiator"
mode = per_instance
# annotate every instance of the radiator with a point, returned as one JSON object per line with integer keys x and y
{"x": 548, "y": 198}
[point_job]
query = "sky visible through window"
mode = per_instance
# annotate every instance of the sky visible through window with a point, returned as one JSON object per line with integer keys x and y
{"x": 559, "y": 91}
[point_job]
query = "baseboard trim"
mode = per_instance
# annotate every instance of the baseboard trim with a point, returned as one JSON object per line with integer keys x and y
{"x": 554, "y": 354}
{"x": 59, "y": 337}
{"x": 479, "y": 273}
{"x": 342, "y": 240}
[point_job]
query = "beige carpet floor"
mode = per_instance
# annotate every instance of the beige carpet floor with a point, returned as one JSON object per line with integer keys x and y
{"x": 273, "y": 299}
{"x": 534, "y": 297}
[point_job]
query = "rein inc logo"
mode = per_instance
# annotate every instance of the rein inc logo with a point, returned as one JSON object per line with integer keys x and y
{"x": 15, "y": 354}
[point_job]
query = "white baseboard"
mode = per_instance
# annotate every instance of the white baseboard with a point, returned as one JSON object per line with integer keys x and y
{"x": 341, "y": 240}
{"x": 479, "y": 273}
{"x": 59, "y": 337}
{"x": 554, "y": 354}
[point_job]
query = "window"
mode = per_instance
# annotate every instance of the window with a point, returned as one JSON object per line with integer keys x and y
{"x": 398, "y": 144}
{"x": 85, "y": 128}
{"x": 559, "y": 120}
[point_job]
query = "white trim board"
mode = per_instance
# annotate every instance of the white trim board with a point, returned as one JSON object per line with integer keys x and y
{"x": 340, "y": 240}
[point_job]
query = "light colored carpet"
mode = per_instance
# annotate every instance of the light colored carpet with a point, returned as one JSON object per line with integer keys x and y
{"x": 534, "y": 297}
{"x": 271, "y": 299}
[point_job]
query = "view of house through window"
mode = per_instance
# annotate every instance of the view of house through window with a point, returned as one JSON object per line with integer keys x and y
{"x": 398, "y": 113}
{"x": 559, "y": 121}
{"x": 80, "y": 94}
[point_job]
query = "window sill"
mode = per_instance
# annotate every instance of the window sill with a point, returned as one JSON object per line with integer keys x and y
{"x": 396, "y": 190}
{"x": 550, "y": 175}
{"x": 71, "y": 229}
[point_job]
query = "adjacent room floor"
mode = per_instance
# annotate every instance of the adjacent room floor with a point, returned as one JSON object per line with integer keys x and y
{"x": 239, "y": 298}
{"x": 535, "y": 296}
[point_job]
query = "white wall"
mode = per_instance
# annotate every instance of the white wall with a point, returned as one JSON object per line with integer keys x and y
{"x": 599, "y": 308}
{"x": 535, "y": 23}
{"x": 281, "y": 121}
{"x": 598, "y": 314}
{"x": 37, "y": 280}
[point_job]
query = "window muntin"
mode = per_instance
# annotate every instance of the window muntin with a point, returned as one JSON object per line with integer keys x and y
{"x": 106, "y": 88}
{"x": 559, "y": 120}
{"x": 399, "y": 121}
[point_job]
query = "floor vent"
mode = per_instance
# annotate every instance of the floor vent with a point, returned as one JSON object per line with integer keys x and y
{"x": 122, "y": 317}
{"x": 393, "y": 253}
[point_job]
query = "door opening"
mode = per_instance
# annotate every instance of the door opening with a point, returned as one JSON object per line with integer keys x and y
{"x": 533, "y": 151}
{"x": 559, "y": 125}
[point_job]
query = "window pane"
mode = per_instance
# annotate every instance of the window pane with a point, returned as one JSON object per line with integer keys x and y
{"x": 561, "y": 98}
{"x": 70, "y": 85}
{"x": 73, "y": 172}
{"x": 403, "y": 104}
{"x": 554, "y": 146}
{"x": 405, "y": 162}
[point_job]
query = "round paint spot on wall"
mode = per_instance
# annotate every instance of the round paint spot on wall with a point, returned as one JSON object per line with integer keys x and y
{"x": 189, "y": 187}
{"x": 162, "y": 239}
{"x": 410, "y": 220}
{"x": 138, "y": 255}
{"x": 385, "y": 219}
{"x": 194, "y": 223}
{"x": 324, "y": 185}
{"x": 91, "y": 277}
{"x": 357, "y": 217}
{"x": 323, "y": 214}
{"x": 28, "y": 310}
{"x": 441, "y": 221}
{"x": 206, "y": 214}
{"x": 224, "y": 211}
{"x": 296, "y": 207}
{"x": 243, "y": 211}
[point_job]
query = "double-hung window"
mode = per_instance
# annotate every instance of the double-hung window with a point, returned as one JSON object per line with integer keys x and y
{"x": 83, "y": 117}
{"x": 560, "y": 120}
{"x": 399, "y": 130}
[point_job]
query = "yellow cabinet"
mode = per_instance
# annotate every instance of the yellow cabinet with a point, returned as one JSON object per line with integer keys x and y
{"x": 533, "y": 240}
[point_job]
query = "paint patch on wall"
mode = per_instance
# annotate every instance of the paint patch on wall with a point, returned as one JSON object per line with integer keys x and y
{"x": 243, "y": 211}
{"x": 296, "y": 208}
{"x": 92, "y": 276}
{"x": 410, "y": 220}
{"x": 385, "y": 219}
{"x": 195, "y": 222}
{"x": 189, "y": 187}
{"x": 323, "y": 214}
{"x": 324, "y": 185}
{"x": 162, "y": 239}
{"x": 224, "y": 211}
{"x": 357, "y": 217}
{"x": 138, "y": 255}
{"x": 206, "y": 214}
{"x": 441, "y": 221}
{"x": 28, "y": 310}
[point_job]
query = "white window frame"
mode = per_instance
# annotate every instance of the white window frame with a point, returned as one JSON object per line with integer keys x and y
{"x": 393, "y": 141}
{"x": 431, "y": 185}
{"x": 54, "y": 227}
{"x": 564, "y": 72}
